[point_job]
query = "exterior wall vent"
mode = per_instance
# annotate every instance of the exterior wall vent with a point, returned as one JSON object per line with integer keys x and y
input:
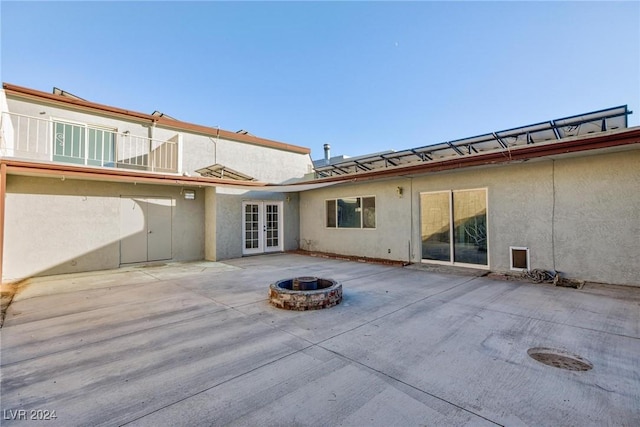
{"x": 519, "y": 259}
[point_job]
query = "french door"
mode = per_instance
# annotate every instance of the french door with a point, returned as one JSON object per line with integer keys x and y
{"x": 261, "y": 227}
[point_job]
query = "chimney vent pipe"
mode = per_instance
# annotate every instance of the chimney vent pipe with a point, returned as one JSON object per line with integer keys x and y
{"x": 327, "y": 153}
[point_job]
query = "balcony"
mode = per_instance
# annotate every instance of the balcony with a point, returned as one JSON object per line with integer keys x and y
{"x": 34, "y": 138}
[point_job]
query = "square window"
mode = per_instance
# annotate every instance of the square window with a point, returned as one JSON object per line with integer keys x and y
{"x": 351, "y": 212}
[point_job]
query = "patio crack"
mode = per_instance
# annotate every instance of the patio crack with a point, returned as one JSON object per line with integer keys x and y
{"x": 218, "y": 384}
{"x": 435, "y": 396}
{"x": 398, "y": 309}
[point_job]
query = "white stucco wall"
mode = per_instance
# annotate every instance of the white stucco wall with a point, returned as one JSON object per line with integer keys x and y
{"x": 596, "y": 216}
{"x": 198, "y": 150}
{"x": 47, "y": 111}
{"x": 54, "y": 226}
{"x": 224, "y": 206}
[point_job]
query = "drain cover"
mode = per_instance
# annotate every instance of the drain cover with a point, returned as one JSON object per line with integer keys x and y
{"x": 559, "y": 359}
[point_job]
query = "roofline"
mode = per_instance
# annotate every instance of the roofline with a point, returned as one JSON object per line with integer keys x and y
{"x": 29, "y": 168}
{"x": 573, "y": 145}
{"x": 23, "y": 92}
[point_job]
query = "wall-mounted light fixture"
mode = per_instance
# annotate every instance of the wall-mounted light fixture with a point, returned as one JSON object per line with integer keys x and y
{"x": 399, "y": 191}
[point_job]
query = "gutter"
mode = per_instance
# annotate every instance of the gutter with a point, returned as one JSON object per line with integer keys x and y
{"x": 609, "y": 140}
{"x": 29, "y": 168}
{"x": 36, "y": 95}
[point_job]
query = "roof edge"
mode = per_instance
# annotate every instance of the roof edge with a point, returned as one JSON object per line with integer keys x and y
{"x": 573, "y": 145}
{"x": 25, "y": 92}
{"x": 24, "y": 167}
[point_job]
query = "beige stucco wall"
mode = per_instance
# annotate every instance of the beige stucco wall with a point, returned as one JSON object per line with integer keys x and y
{"x": 229, "y": 220}
{"x": 54, "y": 226}
{"x": 390, "y": 239}
{"x": 596, "y": 215}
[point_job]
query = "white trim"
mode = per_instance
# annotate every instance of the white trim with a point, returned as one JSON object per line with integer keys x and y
{"x": 259, "y": 248}
{"x": 262, "y": 236}
{"x": 280, "y": 228}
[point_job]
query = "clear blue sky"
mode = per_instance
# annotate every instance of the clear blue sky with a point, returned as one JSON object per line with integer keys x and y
{"x": 362, "y": 76}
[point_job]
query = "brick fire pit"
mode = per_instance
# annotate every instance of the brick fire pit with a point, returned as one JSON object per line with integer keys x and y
{"x": 305, "y": 293}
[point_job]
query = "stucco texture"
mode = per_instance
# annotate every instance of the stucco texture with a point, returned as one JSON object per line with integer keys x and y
{"x": 578, "y": 215}
{"x": 54, "y": 226}
{"x": 228, "y": 219}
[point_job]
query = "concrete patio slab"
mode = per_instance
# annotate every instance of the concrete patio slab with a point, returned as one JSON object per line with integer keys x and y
{"x": 198, "y": 344}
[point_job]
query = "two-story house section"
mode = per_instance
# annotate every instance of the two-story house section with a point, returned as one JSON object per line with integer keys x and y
{"x": 87, "y": 186}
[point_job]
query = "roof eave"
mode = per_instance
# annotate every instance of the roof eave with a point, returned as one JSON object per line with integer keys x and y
{"x": 30, "y": 168}
{"x": 23, "y": 92}
{"x": 573, "y": 145}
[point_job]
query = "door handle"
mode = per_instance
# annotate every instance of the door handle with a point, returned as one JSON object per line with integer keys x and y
{"x": 150, "y": 231}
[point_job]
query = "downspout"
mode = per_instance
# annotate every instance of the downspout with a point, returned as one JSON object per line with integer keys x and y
{"x": 151, "y": 134}
{"x": 3, "y": 191}
{"x": 215, "y": 145}
{"x": 411, "y": 218}
{"x": 553, "y": 214}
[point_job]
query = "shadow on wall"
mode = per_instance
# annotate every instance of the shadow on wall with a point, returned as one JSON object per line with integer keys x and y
{"x": 98, "y": 244}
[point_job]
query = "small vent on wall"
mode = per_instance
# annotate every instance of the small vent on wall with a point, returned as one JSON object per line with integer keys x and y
{"x": 519, "y": 259}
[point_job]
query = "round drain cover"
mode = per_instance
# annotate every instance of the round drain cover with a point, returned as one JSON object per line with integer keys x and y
{"x": 559, "y": 359}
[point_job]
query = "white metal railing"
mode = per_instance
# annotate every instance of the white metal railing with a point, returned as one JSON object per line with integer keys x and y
{"x": 35, "y": 138}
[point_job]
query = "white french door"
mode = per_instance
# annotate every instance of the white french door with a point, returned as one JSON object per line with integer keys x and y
{"x": 261, "y": 227}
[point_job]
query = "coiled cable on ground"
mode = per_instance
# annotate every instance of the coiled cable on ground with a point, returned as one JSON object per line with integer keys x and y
{"x": 539, "y": 275}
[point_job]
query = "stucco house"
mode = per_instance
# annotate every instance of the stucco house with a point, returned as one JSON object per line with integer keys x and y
{"x": 88, "y": 187}
{"x": 561, "y": 195}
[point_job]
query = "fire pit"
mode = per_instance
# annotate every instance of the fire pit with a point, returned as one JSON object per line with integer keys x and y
{"x": 305, "y": 293}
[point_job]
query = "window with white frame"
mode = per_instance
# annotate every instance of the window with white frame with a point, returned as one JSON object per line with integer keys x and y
{"x": 351, "y": 212}
{"x": 82, "y": 144}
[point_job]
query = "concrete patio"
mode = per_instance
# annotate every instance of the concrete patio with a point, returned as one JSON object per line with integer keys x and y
{"x": 198, "y": 344}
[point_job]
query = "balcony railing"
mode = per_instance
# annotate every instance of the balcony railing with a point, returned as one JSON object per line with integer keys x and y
{"x": 34, "y": 138}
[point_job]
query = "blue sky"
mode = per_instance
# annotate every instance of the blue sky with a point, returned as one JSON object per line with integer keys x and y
{"x": 362, "y": 76}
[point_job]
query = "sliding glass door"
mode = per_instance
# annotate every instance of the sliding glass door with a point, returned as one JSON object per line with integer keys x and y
{"x": 453, "y": 227}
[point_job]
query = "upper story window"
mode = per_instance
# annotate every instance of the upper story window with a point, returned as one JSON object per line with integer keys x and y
{"x": 351, "y": 212}
{"x": 78, "y": 143}
{"x": 67, "y": 141}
